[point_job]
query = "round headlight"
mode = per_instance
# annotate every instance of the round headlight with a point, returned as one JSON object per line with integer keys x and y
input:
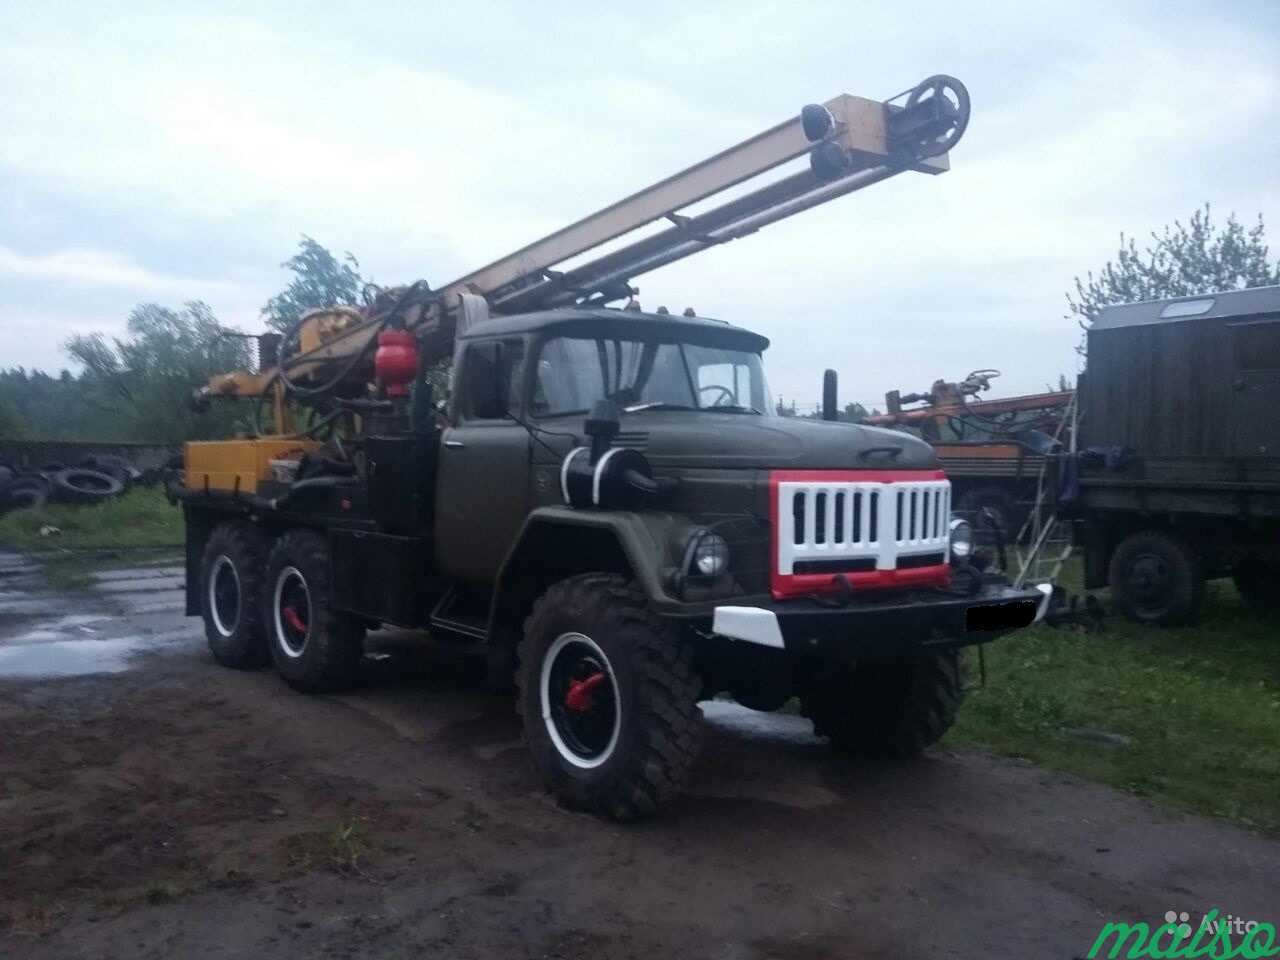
{"x": 961, "y": 538}
{"x": 710, "y": 555}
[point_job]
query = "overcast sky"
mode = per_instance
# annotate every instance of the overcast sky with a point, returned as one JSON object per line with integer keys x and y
{"x": 176, "y": 152}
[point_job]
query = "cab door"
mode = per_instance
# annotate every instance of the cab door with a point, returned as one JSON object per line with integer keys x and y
{"x": 1255, "y": 350}
{"x": 483, "y": 486}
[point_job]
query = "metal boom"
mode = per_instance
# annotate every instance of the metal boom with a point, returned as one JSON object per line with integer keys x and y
{"x": 851, "y": 142}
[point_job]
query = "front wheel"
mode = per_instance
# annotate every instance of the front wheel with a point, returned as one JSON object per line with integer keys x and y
{"x": 608, "y": 698}
{"x": 316, "y": 649}
{"x": 886, "y": 706}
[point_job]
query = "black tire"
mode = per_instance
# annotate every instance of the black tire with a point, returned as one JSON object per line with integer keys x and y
{"x": 24, "y": 498}
{"x": 112, "y": 466}
{"x": 1258, "y": 580}
{"x": 79, "y": 485}
{"x": 891, "y": 707}
{"x": 1156, "y": 579}
{"x": 316, "y": 649}
{"x": 629, "y": 749}
{"x": 231, "y": 576}
{"x": 25, "y": 491}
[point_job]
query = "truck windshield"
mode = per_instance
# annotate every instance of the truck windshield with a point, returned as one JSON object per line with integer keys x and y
{"x": 574, "y": 372}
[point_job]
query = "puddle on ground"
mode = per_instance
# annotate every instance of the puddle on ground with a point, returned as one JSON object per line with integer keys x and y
{"x": 62, "y": 628}
{"x": 786, "y": 728}
{"x": 69, "y": 658}
{"x": 139, "y": 573}
{"x": 140, "y": 585}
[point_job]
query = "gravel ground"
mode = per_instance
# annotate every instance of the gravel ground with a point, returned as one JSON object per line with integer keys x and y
{"x": 154, "y": 805}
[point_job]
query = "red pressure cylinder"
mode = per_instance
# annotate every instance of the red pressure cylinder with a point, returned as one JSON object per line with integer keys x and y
{"x": 395, "y": 365}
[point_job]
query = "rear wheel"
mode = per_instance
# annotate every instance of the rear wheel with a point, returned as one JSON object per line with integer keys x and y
{"x": 315, "y": 648}
{"x": 886, "y": 706}
{"x": 1156, "y": 579}
{"x": 608, "y": 697}
{"x": 230, "y": 590}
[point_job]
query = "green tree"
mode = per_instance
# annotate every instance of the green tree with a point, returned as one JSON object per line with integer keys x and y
{"x": 319, "y": 280}
{"x": 147, "y": 376}
{"x": 10, "y": 423}
{"x": 1184, "y": 260}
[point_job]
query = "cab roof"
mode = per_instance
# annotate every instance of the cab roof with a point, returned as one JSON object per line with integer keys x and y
{"x": 605, "y": 321}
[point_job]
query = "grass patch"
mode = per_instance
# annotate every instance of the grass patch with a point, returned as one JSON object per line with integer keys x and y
{"x": 140, "y": 518}
{"x": 1199, "y": 706}
{"x": 74, "y": 571}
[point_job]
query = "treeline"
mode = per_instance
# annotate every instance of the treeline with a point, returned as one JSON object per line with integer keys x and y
{"x": 136, "y": 387}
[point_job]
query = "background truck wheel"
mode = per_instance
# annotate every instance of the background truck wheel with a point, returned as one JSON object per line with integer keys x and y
{"x": 230, "y": 596}
{"x": 315, "y": 648}
{"x": 608, "y": 697}
{"x": 1258, "y": 580}
{"x": 1155, "y": 578}
{"x": 886, "y": 707}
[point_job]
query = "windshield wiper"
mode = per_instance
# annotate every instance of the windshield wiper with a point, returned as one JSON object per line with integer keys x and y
{"x": 662, "y": 405}
{"x": 656, "y": 405}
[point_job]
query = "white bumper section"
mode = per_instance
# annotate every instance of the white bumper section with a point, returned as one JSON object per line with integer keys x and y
{"x": 1046, "y": 589}
{"x": 752, "y": 624}
{"x": 757, "y": 625}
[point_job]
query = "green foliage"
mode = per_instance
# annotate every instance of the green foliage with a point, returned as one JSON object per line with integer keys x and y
{"x": 52, "y": 408}
{"x": 1187, "y": 259}
{"x": 319, "y": 280}
{"x": 140, "y": 518}
{"x": 1198, "y": 708}
{"x": 146, "y": 378}
{"x": 10, "y": 421}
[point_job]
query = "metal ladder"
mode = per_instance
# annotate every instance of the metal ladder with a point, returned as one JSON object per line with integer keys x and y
{"x": 1046, "y": 532}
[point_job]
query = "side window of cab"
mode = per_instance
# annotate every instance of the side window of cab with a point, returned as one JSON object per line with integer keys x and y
{"x": 491, "y": 376}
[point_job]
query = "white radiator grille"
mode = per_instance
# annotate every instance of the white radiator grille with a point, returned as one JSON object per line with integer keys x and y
{"x": 861, "y": 521}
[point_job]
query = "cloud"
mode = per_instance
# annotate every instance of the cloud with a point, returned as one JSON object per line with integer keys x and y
{"x": 106, "y": 269}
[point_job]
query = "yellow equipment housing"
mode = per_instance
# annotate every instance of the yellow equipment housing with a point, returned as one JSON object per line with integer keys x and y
{"x": 238, "y": 464}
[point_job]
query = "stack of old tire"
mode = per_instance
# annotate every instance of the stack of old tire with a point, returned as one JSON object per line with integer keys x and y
{"x": 99, "y": 477}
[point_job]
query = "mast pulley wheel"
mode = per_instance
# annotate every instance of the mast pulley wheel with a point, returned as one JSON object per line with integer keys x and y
{"x": 934, "y": 118}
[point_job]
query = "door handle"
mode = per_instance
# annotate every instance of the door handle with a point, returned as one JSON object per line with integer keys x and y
{"x": 454, "y": 444}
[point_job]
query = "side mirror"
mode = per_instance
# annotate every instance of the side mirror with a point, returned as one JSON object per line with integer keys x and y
{"x": 486, "y": 387}
{"x": 830, "y": 396}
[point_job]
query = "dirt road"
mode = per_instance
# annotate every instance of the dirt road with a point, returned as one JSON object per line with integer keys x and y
{"x": 154, "y": 805}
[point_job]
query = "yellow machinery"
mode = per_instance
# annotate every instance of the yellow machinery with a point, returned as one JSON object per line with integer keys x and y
{"x": 239, "y": 464}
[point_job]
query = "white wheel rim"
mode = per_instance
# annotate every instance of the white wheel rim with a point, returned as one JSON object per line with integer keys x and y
{"x": 544, "y": 694}
{"x": 289, "y": 649}
{"x": 221, "y": 566}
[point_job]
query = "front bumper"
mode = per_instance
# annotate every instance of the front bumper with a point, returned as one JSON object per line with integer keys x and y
{"x": 917, "y": 622}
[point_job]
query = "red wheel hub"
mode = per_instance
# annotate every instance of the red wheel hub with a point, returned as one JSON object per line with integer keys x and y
{"x": 292, "y": 619}
{"x": 578, "y": 697}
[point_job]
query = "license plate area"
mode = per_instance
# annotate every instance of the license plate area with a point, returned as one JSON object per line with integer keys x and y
{"x": 1011, "y": 615}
